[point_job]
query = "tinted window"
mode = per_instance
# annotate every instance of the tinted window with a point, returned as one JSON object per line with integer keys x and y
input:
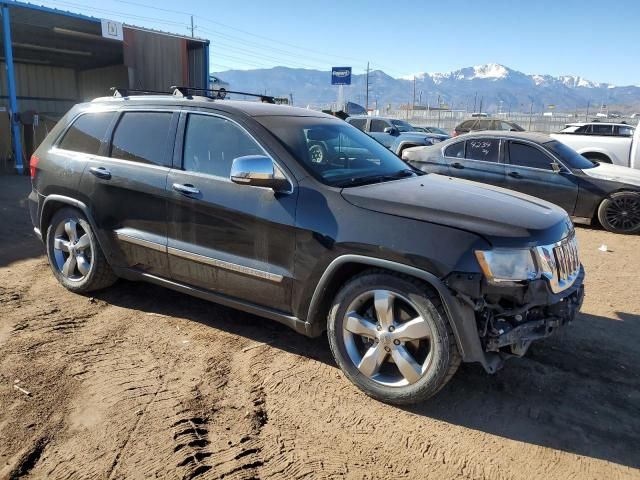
{"x": 378, "y": 126}
{"x": 359, "y": 123}
{"x": 528, "y": 156}
{"x": 584, "y": 129}
{"x": 602, "y": 129}
{"x": 623, "y": 131}
{"x": 211, "y": 144}
{"x": 483, "y": 149}
{"x": 403, "y": 126}
{"x": 455, "y": 150}
{"x": 142, "y": 137}
{"x": 87, "y": 132}
{"x": 466, "y": 125}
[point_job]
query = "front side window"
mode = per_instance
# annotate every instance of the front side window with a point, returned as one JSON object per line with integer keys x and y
{"x": 142, "y": 137}
{"x": 528, "y": 156}
{"x": 485, "y": 149}
{"x": 87, "y": 132}
{"x": 403, "y": 126}
{"x": 623, "y": 131}
{"x": 212, "y": 143}
{"x": 378, "y": 126}
{"x": 359, "y": 123}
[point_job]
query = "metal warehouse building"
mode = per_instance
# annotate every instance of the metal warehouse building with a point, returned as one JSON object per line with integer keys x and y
{"x": 52, "y": 59}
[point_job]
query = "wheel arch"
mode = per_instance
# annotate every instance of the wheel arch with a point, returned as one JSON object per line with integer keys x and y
{"x": 461, "y": 317}
{"x": 54, "y": 202}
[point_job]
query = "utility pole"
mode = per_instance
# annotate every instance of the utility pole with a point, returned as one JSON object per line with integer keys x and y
{"x": 291, "y": 98}
{"x": 530, "y": 114}
{"x": 192, "y": 27}
{"x": 475, "y": 102}
{"x": 413, "y": 104}
{"x": 481, "y": 99}
{"x": 366, "y": 102}
{"x": 586, "y": 117}
{"x": 439, "y": 111}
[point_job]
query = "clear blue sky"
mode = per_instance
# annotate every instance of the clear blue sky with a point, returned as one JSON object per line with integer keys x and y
{"x": 593, "y": 38}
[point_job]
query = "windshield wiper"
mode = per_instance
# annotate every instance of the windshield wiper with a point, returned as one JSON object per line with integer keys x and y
{"x": 356, "y": 181}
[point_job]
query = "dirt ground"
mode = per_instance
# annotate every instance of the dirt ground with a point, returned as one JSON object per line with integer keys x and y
{"x": 140, "y": 382}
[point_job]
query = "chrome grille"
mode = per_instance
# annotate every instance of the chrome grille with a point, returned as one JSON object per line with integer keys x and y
{"x": 560, "y": 263}
{"x": 567, "y": 260}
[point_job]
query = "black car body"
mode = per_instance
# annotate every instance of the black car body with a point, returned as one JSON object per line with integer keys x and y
{"x": 541, "y": 166}
{"x": 479, "y": 124}
{"x": 225, "y": 200}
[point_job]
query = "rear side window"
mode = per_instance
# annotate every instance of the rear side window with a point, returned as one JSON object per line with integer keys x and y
{"x": 466, "y": 125}
{"x": 378, "y": 125}
{"x": 359, "y": 123}
{"x": 212, "y": 143}
{"x": 623, "y": 131}
{"x": 455, "y": 150}
{"x": 602, "y": 129}
{"x": 528, "y": 156}
{"x": 485, "y": 149}
{"x": 86, "y": 133}
{"x": 142, "y": 137}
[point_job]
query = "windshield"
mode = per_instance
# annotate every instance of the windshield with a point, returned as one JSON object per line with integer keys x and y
{"x": 569, "y": 156}
{"x": 334, "y": 152}
{"x": 402, "y": 126}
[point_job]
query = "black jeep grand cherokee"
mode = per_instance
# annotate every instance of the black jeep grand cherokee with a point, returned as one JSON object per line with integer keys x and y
{"x": 408, "y": 273}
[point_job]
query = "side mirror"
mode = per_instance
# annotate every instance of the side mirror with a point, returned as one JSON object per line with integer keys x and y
{"x": 258, "y": 171}
{"x": 555, "y": 166}
{"x": 391, "y": 131}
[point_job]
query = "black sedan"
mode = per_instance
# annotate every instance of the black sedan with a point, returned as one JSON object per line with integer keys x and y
{"x": 540, "y": 166}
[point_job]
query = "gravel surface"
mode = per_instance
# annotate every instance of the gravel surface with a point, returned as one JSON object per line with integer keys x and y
{"x": 138, "y": 382}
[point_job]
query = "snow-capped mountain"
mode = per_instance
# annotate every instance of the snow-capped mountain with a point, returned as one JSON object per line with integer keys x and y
{"x": 497, "y": 86}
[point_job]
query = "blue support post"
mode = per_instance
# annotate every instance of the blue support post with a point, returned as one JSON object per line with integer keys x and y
{"x": 206, "y": 66}
{"x": 11, "y": 83}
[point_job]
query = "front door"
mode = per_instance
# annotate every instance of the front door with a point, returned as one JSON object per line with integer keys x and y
{"x": 125, "y": 188}
{"x": 236, "y": 240}
{"x": 530, "y": 171}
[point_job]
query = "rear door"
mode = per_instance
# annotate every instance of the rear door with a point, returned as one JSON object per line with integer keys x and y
{"x": 236, "y": 240}
{"x": 125, "y": 189}
{"x": 478, "y": 159}
{"x": 530, "y": 171}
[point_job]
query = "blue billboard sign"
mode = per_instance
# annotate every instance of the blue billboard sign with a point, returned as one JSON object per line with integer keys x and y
{"x": 341, "y": 76}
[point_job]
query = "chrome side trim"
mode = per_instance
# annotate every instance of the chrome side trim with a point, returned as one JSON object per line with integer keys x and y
{"x": 140, "y": 242}
{"x": 225, "y": 265}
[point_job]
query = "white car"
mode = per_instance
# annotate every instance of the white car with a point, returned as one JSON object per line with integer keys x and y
{"x": 602, "y": 142}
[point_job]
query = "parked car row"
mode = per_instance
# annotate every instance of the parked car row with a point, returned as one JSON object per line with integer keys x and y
{"x": 543, "y": 167}
{"x": 409, "y": 274}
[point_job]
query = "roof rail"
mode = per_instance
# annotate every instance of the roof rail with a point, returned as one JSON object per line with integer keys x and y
{"x": 125, "y": 92}
{"x": 220, "y": 93}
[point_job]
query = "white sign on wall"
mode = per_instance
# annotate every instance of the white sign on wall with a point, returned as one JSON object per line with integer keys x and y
{"x": 111, "y": 29}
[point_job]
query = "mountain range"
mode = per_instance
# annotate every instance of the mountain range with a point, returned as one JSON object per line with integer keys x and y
{"x": 497, "y": 87}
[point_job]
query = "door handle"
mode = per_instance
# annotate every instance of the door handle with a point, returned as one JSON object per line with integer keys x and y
{"x": 100, "y": 172}
{"x": 186, "y": 189}
{"x": 457, "y": 165}
{"x": 514, "y": 175}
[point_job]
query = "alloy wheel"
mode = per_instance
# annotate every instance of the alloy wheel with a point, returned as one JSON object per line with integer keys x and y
{"x": 386, "y": 338}
{"x": 72, "y": 249}
{"x": 623, "y": 213}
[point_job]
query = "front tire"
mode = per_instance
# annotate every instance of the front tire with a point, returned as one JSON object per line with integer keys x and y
{"x": 74, "y": 254}
{"x": 620, "y": 212}
{"x": 390, "y": 336}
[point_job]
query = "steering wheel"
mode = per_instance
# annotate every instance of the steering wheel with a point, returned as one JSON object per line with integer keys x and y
{"x": 318, "y": 154}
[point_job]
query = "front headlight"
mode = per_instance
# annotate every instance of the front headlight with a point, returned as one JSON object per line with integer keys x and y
{"x": 507, "y": 265}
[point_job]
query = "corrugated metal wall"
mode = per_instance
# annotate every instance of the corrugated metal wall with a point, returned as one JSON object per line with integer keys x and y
{"x": 197, "y": 66}
{"x": 155, "y": 61}
{"x": 52, "y": 89}
{"x": 97, "y": 82}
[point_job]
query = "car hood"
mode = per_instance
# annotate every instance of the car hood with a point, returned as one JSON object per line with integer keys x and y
{"x": 504, "y": 217}
{"x": 615, "y": 173}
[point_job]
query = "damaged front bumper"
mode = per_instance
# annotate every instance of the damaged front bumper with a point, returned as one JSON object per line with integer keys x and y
{"x": 508, "y": 318}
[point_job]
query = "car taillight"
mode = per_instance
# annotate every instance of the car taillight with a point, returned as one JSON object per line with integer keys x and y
{"x": 33, "y": 163}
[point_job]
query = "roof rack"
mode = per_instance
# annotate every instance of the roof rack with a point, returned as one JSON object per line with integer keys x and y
{"x": 220, "y": 93}
{"x": 125, "y": 92}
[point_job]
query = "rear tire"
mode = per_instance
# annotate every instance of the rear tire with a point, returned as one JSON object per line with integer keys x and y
{"x": 620, "y": 212}
{"x": 74, "y": 254}
{"x": 391, "y": 337}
